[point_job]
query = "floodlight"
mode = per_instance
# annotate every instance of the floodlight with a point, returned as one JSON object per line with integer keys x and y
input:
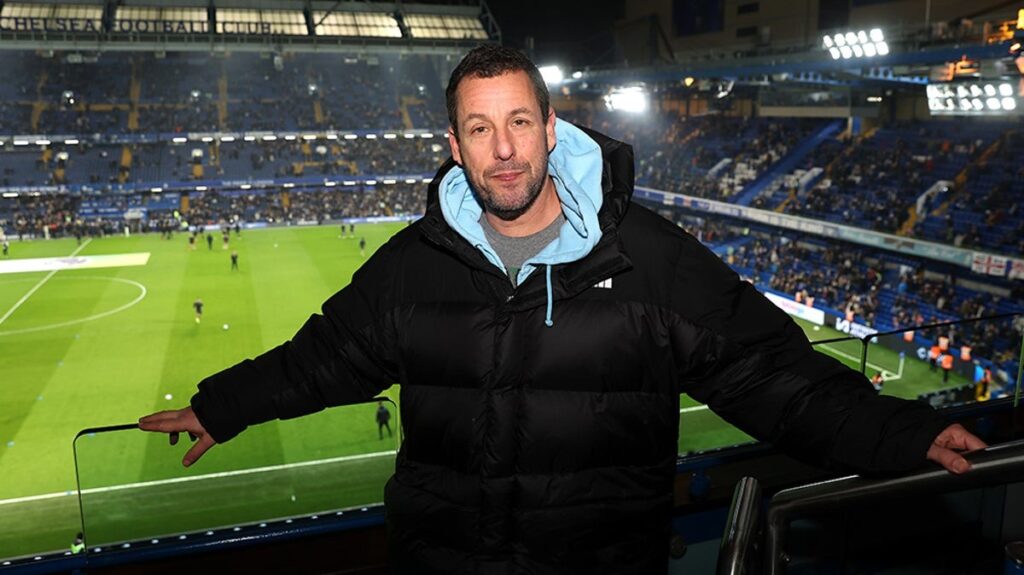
{"x": 629, "y": 99}
{"x": 882, "y": 48}
{"x": 876, "y": 35}
{"x": 1009, "y": 104}
{"x": 1005, "y": 89}
{"x": 993, "y": 103}
{"x": 847, "y": 52}
{"x": 835, "y": 53}
{"x": 551, "y": 74}
{"x": 869, "y": 50}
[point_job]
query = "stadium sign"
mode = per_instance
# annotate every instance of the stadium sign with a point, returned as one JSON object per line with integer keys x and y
{"x": 23, "y": 24}
{"x": 797, "y": 309}
{"x": 853, "y": 328}
{"x": 33, "y": 24}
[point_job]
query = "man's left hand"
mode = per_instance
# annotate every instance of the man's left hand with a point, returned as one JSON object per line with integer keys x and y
{"x": 948, "y": 445}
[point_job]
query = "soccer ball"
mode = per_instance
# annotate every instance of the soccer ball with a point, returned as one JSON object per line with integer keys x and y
{"x": 225, "y": 326}
{"x": 168, "y": 397}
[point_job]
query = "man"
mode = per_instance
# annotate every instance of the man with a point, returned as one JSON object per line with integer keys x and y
{"x": 198, "y": 307}
{"x": 383, "y": 420}
{"x": 209, "y": 241}
{"x": 234, "y": 260}
{"x": 540, "y": 385}
{"x": 362, "y": 247}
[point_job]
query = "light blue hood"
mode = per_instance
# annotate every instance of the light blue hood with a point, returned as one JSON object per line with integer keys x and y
{"x": 575, "y": 165}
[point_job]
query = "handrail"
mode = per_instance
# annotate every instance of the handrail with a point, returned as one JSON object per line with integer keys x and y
{"x": 995, "y": 465}
{"x": 740, "y": 539}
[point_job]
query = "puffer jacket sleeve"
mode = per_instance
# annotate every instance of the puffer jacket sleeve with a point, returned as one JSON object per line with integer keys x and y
{"x": 750, "y": 363}
{"x": 345, "y": 354}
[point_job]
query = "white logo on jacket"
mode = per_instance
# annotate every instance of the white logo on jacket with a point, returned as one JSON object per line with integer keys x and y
{"x": 606, "y": 284}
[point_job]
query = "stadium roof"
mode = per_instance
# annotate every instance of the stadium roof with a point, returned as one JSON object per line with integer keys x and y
{"x": 245, "y": 25}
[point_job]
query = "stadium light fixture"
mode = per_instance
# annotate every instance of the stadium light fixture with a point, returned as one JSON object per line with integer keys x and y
{"x": 249, "y": 138}
{"x": 332, "y": 136}
{"x": 43, "y": 142}
{"x": 390, "y": 136}
{"x": 389, "y": 181}
{"x": 71, "y": 142}
{"x": 227, "y": 138}
{"x": 308, "y": 137}
{"x": 371, "y": 136}
{"x": 330, "y": 184}
{"x": 156, "y": 190}
{"x": 855, "y": 44}
{"x": 973, "y": 99}
{"x": 179, "y": 139}
{"x": 289, "y": 137}
{"x": 577, "y": 75}
{"x": 427, "y": 135}
{"x": 552, "y": 75}
{"x": 270, "y": 138}
{"x": 20, "y": 142}
{"x": 207, "y": 139}
{"x": 288, "y": 185}
{"x": 246, "y": 186}
{"x": 351, "y": 136}
{"x": 370, "y": 182}
{"x": 408, "y": 136}
{"x": 201, "y": 188}
{"x": 349, "y": 182}
{"x": 410, "y": 180}
{"x": 632, "y": 99}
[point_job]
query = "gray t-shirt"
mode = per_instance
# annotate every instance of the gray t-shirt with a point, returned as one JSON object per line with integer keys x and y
{"x": 513, "y": 252}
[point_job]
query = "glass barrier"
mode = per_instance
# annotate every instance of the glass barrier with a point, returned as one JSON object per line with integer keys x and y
{"x": 900, "y": 363}
{"x": 949, "y": 364}
{"x": 133, "y": 486}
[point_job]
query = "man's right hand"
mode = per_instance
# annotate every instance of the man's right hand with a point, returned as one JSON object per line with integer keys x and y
{"x": 174, "y": 422}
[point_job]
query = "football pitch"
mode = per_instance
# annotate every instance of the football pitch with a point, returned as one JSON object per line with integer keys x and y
{"x": 84, "y": 347}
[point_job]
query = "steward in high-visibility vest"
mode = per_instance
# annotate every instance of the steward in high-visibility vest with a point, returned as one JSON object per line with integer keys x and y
{"x": 933, "y": 356}
{"x": 947, "y": 365}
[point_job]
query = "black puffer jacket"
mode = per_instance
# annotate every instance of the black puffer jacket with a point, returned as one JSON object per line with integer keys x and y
{"x": 531, "y": 449}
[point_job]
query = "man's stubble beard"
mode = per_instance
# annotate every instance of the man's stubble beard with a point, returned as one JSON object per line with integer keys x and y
{"x": 511, "y": 212}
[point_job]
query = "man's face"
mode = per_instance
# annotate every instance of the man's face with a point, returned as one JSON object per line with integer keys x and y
{"x": 503, "y": 142}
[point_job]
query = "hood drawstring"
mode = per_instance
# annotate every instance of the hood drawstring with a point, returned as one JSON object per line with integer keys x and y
{"x": 547, "y": 318}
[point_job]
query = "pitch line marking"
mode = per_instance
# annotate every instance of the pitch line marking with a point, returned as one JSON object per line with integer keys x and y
{"x": 39, "y": 285}
{"x": 888, "y": 375}
{"x": 200, "y": 477}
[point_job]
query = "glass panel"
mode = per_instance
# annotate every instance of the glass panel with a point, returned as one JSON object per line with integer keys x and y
{"x": 134, "y": 487}
{"x": 948, "y": 364}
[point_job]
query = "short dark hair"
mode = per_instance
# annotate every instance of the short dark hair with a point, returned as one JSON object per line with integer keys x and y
{"x": 489, "y": 61}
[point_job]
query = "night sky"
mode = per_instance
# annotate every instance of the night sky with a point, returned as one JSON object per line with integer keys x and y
{"x": 573, "y": 34}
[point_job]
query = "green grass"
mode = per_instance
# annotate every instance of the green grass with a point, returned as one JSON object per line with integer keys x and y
{"x": 117, "y": 367}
